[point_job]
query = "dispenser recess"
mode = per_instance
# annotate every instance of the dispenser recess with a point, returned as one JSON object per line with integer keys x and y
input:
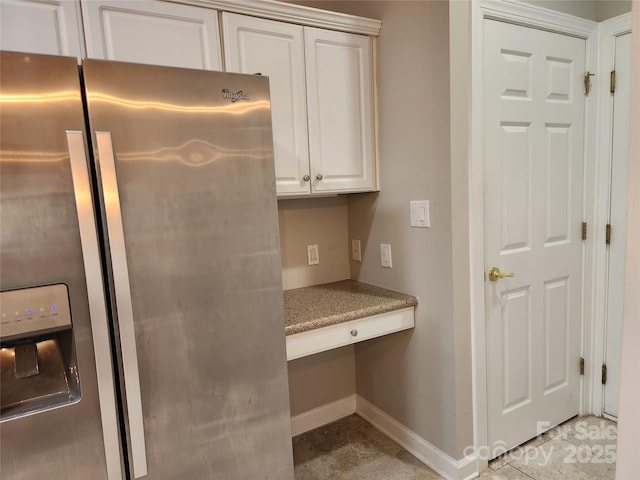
{"x": 37, "y": 358}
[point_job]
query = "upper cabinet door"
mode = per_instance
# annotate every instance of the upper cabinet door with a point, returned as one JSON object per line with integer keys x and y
{"x": 152, "y": 32}
{"x": 50, "y": 27}
{"x": 340, "y": 105}
{"x": 275, "y": 49}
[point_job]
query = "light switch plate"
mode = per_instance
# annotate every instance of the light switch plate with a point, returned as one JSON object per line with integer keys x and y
{"x": 385, "y": 255}
{"x": 420, "y": 216}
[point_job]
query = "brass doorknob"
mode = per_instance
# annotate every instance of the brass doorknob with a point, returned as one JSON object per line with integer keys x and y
{"x": 495, "y": 274}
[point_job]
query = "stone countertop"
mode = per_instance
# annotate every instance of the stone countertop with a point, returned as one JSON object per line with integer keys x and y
{"x": 319, "y": 306}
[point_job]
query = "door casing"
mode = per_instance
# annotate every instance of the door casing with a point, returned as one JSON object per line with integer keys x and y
{"x": 608, "y": 31}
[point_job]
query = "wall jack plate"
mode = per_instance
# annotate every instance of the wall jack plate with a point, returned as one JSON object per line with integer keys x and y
{"x": 313, "y": 257}
{"x": 385, "y": 255}
{"x": 356, "y": 251}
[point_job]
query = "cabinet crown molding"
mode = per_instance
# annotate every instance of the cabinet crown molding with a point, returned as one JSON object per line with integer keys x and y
{"x": 292, "y": 13}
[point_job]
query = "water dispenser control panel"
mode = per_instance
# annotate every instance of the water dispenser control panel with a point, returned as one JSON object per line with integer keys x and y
{"x": 32, "y": 311}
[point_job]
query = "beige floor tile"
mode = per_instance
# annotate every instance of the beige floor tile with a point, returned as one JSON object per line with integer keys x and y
{"x": 391, "y": 468}
{"x": 590, "y": 431}
{"x": 507, "y": 472}
{"x": 560, "y": 459}
{"x": 349, "y": 444}
{"x": 352, "y": 449}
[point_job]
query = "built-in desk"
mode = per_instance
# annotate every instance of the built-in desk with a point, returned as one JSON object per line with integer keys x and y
{"x": 336, "y": 314}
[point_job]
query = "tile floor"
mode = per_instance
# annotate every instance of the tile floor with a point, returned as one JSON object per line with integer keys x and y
{"x": 352, "y": 449}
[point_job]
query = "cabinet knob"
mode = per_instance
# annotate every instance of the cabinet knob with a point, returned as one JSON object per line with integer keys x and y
{"x": 319, "y": 176}
{"x": 354, "y": 333}
{"x": 306, "y": 178}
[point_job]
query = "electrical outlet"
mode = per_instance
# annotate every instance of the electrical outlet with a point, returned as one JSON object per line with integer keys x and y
{"x": 356, "y": 252}
{"x": 313, "y": 257}
{"x": 385, "y": 255}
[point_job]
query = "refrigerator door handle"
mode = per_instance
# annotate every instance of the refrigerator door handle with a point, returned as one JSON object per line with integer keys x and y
{"x": 123, "y": 301}
{"x": 97, "y": 306}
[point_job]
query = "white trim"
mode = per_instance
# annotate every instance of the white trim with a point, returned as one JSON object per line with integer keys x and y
{"x": 323, "y": 415}
{"x": 291, "y": 13}
{"x": 424, "y": 451}
{"x": 520, "y": 13}
{"x": 608, "y": 31}
{"x": 530, "y": 16}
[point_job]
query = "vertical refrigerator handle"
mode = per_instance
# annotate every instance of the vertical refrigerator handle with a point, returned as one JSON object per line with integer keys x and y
{"x": 97, "y": 306}
{"x": 124, "y": 307}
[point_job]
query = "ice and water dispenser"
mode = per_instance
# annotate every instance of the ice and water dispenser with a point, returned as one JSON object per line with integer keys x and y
{"x": 38, "y": 358}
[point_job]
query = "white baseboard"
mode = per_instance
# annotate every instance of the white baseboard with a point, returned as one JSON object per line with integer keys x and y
{"x": 424, "y": 451}
{"x": 323, "y": 415}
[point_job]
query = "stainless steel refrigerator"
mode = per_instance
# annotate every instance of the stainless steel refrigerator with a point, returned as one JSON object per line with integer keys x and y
{"x": 142, "y": 313}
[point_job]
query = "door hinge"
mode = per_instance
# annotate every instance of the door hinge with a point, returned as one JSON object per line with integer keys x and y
{"x": 584, "y": 230}
{"x": 607, "y": 235}
{"x": 604, "y": 374}
{"x": 587, "y": 82}
{"x": 581, "y": 366}
{"x": 612, "y": 82}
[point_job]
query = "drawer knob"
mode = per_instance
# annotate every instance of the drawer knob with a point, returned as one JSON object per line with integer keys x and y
{"x": 306, "y": 178}
{"x": 319, "y": 177}
{"x": 354, "y": 333}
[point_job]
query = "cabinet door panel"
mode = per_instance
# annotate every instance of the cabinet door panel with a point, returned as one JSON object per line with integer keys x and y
{"x": 50, "y": 27}
{"x": 275, "y": 49}
{"x": 152, "y": 32}
{"x": 340, "y": 99}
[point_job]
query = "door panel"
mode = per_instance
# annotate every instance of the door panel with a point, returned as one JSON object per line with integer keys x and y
{"x": 195, "y": 182}
{"x": 534, "y": 123}
{"x": 51, "y": 27}
{"x": 157, "y": 33}
{"x": 40, "y": 244}
{"x": 276, "y": 50}
{"x": 339, "y": 72}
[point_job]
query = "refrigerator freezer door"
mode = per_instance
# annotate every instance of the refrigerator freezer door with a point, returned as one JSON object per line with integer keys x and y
{"x": 193, "y": 160}
{"x": 41, "y": 244}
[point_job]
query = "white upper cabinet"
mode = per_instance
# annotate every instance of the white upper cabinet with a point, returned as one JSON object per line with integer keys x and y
{"x": 51, "y": 27}
{"x": 321, "y": 97}
{"x": 152, "y": 32}
{"x": 319, "y": 64}
{"x": 340, "y": 111}
{"x": 275, "y": 49}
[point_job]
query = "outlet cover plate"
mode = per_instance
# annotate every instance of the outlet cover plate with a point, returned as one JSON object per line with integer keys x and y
{"x": 356, "y": 250}
{"x": 313, "y": 257}
{"x": 385, "y": 255}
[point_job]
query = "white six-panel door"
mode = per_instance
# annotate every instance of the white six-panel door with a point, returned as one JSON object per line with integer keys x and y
{"x": 533, "y": 150}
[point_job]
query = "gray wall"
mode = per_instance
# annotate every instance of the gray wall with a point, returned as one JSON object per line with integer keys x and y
{"x": 320, "y": 379}
{"x": 596, "y": 10}
{"x": 412, "y": 375}
{"x": 420, "y": 377}
{"x": 313, "y": 221}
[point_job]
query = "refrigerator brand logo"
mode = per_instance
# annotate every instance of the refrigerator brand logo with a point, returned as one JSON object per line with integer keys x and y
{"x": 234, "y": 97}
